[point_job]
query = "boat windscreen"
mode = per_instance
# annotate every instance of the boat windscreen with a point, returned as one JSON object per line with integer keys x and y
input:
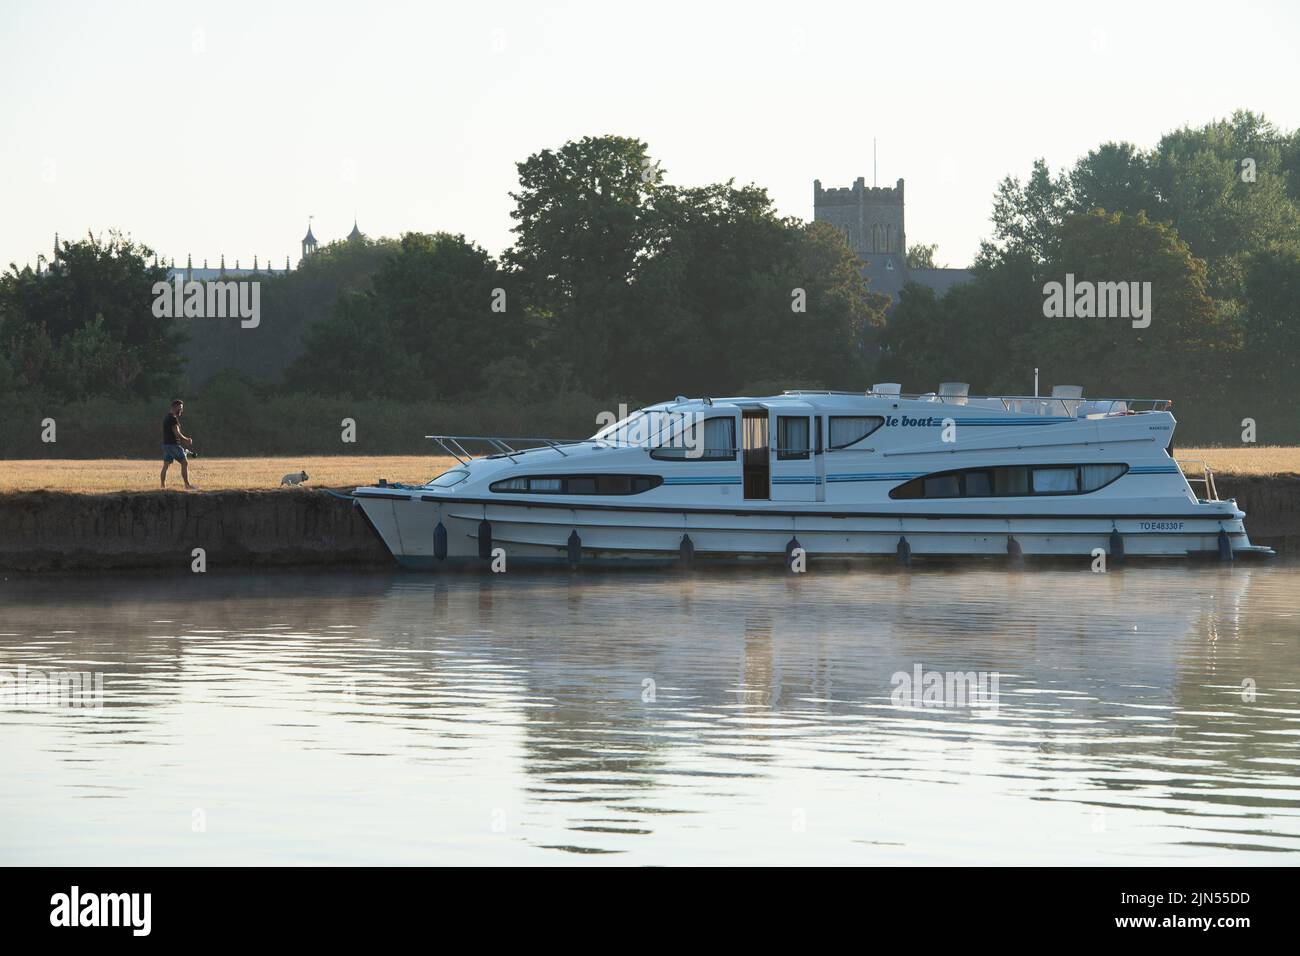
{"x": 641, "y": 429}
{"x": 448, "y": 478}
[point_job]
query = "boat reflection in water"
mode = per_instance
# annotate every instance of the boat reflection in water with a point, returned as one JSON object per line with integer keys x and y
{"x": 652, "y": 718}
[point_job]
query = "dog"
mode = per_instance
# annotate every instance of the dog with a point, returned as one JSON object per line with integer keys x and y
{"x": 297, "y": 479}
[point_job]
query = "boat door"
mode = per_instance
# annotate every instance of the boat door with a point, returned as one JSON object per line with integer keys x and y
{"x": 795, "y": 453}
{"x": 755, "y": 452}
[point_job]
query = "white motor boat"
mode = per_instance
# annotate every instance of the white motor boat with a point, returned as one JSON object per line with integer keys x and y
{"x": 820, "y": 475}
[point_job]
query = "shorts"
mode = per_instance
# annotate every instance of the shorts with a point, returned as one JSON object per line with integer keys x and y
{"x": 173, "y": 453}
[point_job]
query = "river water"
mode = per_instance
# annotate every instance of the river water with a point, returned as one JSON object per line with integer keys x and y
{"x": 1144, "y": 715}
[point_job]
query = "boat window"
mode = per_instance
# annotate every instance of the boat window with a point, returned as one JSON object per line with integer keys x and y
{"x": 1092, "y": 477}
{"x": 719, "y": 438}
{"x": 715, "y": 441}
{"x": 578, "y": 484}
{"x": 976, "y": 484}
{"x": 449, "y": 478}
{"x": 792, "y": 437}
{"x": 1056, "y": 481}
{"x": 846, "y": 430}
{"x": 1010, "y": 481}
{"x": 942, "y": 486}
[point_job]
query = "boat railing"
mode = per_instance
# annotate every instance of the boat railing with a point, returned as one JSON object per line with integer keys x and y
{"x": 500, "y": 447}
{"x": 1021, "y": 404}
{"x": 1125, "y": 406}
{"x": 1206, "y": 477}
{"x": 1048, "y": 405}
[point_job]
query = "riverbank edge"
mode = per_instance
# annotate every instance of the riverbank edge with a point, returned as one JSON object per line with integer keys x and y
{"x": 62, "y": 531}
{"x": 291, "y": 527}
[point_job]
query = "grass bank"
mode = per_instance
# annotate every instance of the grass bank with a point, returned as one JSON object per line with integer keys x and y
{"x": 104, "y": 475}
{"x": 216, "y": 474}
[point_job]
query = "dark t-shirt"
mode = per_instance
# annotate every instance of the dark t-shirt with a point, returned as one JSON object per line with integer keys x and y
{"x": 171, "y": 425}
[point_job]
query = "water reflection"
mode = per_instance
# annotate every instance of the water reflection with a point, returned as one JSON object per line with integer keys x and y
{"x": 1148, "y": 714}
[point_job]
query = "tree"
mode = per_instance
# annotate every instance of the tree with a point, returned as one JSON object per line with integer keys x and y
{"x": 1187, "y": 330}
{"x": 1225, "y": 187}
{"x": 291, "y": 303}
{"x": 85, "y": 326}
{"x": 426, "y": 329}
{"x": 1272, "y": 318}
{"x": 921, "y": 256}
{"x": 1115, "y": 177}
{"x": 735, "y": 295}
{"x": 582, "y": 223}
{"x": 993, "y": 331}
{"x": 649, "y": 288}
{"x": 357, "y": 351}
{"x": 844, "y": 315}
{"x": 1026, "y": 217}
{"x": 981, "y": 332}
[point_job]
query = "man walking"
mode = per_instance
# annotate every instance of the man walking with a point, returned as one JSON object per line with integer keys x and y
{"x": 173, "y": 439}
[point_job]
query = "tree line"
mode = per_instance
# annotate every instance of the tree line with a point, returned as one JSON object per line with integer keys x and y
{"x": 617, "y": 284}
{"x": 621, "y": 285}
{"x": 1210, "y": 217}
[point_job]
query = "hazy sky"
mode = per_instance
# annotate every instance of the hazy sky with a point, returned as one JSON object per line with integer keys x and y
{"x": 220, "y": 126}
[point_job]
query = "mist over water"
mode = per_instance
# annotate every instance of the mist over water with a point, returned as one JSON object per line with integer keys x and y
{"x": 1145, "y": 715}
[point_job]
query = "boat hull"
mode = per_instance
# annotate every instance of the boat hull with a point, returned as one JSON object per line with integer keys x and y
{"x": 531, "y": 533}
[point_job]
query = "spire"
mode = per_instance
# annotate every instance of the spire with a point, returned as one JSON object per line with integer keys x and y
{"x": 308, "y": 241}
{"x": 355, "y": 233}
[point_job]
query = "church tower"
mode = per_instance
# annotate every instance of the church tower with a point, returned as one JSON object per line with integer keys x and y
{"x": 870, "y": 217}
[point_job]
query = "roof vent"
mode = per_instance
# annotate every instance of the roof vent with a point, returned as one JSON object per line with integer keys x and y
{"x": 887, "y": 388}
{"x": 954, "y": 393}
{"x": 1069, "y": 396}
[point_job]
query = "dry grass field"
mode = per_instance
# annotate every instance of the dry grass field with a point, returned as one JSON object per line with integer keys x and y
{"x": 342, "y": 471}
{"x": 214, "y": 474}
{"x": 1264, "y": 460}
